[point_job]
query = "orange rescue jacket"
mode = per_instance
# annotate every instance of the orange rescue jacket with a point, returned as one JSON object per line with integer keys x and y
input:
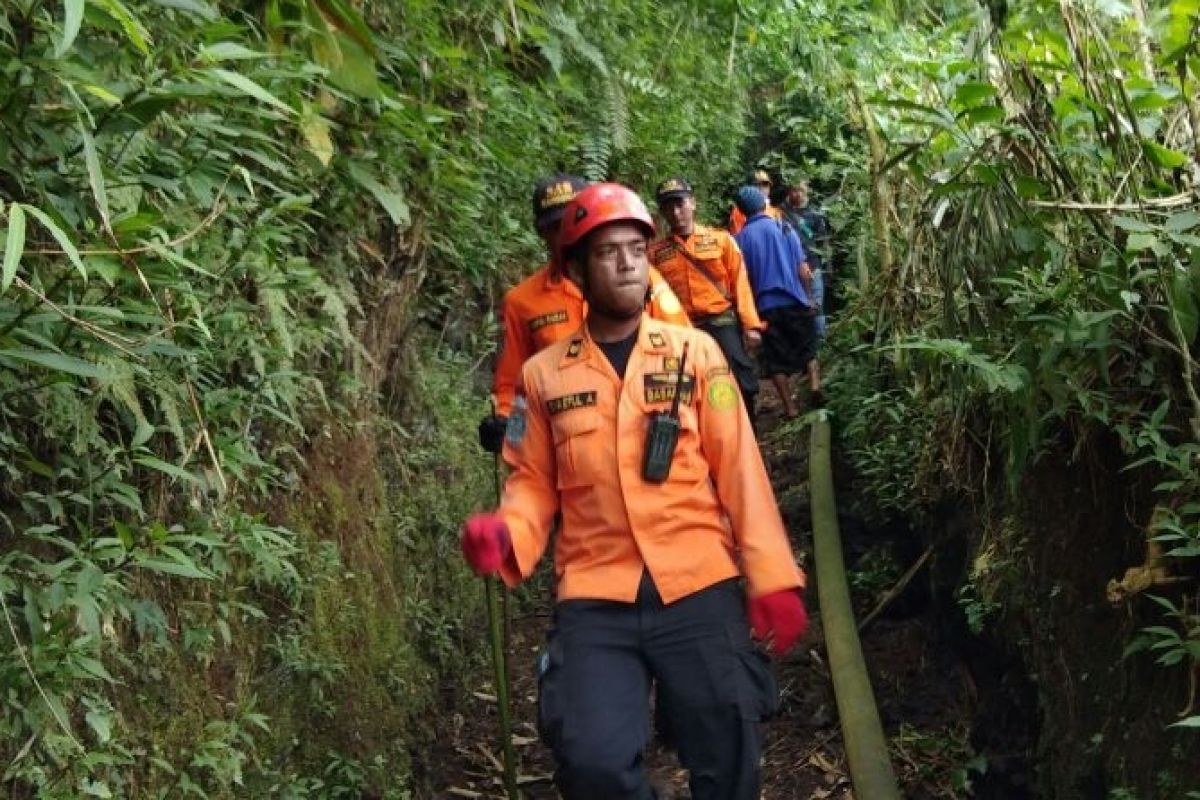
{"x": 737, "y": 220}
{"x": 546, "y": 307}
{"x": 719, "y": 254}
{"x": 575, "y": 442}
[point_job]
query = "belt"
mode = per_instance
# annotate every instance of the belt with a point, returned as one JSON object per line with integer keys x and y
{"x": 726, "y": 317}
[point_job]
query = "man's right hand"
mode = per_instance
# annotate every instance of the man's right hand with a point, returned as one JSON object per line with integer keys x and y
{"x": 485, "y": 542}
{"x": 491, "y": 433}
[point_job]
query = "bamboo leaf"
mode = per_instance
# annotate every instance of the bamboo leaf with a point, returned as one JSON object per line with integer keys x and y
{"x": 172, "y": 568}
{"x": 134, "y": 30}
{"x": 61, "y": 237}
{"x": 95, "y": 175}
{"x": 72, "y": 20}
{"x": 14, "y": 245}
{"x": 247, "y": 86}
{"x": 228, "y": 51}
{"x": 166, "y": 468}
{"x": 61, "y": 363}
{"x": 200, "y": 9}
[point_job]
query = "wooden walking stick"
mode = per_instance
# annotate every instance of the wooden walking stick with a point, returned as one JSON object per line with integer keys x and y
{"x": 498, "y": 633}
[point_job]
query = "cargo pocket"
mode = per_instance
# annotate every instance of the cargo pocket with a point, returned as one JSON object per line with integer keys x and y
{"x": 550, "y": 692}
{"x": 759, "y": 693}
{"x": 574, "y": 434}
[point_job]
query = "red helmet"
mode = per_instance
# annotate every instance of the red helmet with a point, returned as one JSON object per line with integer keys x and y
{"x": 600, "y": 204}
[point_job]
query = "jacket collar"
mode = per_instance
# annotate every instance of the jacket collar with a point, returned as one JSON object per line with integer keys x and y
{"x": 582, "y": 349}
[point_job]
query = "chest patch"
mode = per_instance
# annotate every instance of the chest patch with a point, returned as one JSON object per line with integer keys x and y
{"x": 660, "y": 387}
{"x": 662, "y": 253}
{"x": 567, "y": 402}
{"x": 553, "y": 318}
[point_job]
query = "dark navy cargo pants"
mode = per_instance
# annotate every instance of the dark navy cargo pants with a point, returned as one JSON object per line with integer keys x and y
{"x": 714, "y": 686}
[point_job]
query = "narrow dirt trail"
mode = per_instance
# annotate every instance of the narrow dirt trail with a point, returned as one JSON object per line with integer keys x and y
{"x": 920, "y": 688}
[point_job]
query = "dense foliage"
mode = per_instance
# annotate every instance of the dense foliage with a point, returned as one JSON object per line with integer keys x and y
{"x": 238, "y": 380}
{"x": 1021, "y": 238}
{"x": 250, "y": 252}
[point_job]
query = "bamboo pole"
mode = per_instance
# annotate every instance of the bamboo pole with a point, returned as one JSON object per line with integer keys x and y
{"x": 862, "y": 731}
{"x": 880, "y": 194}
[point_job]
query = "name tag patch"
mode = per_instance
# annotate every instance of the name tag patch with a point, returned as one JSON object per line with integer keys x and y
{"x": 553, "y": 318}
{"x": 568, "y": 402}
{"x": 660, "y": 387}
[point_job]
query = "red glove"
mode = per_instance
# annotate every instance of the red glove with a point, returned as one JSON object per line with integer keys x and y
{"x": 485, "y": 542}
{"x": 779, "y": 619}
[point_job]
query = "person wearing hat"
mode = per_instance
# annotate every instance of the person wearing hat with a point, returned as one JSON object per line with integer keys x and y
{"x": 812, "y": 226}
{"x": 667, "y": 559}
{"x": 760, "y": 179}
{"x": 704, "y": 267}
{"x": 783, "y": 292}
{"x": 547, "y": 306}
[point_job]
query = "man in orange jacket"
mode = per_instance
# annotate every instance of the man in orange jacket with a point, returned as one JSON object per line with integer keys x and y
{"x": 547, "y": 306}
{"x": 634, "y": 432}
{"x": 759, "y": 178}
{"x": 704, "y": 267}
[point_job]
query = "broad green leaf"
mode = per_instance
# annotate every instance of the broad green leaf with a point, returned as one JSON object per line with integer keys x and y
{"x": 392, "y": 201}
{"x": 95, "y": 788}
{"x": 247, "y": 86}
{"x": 1183, "y": 304}
{"x": 166, "y": 468}
{"x": 355, "y": 70}
{"x": 71, "y": 22}
{"x": 95, "y": 174}
{"x": 972, "y": 93}
{"x": 1183, "y": 221}
{"x": 1133, "y": 224}
{"x": 62, "y": 363}
{"x": 1138, "y": 242}
{"x": 101, "y": 724}
{"x": 14, "y": 245}
{"x": 1163, "y": 156}
{"x": 984, "y": 115}
{"x": 63, "y": 240}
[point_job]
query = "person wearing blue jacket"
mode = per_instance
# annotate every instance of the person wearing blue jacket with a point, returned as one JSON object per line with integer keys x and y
{"x": 783, "y": 290}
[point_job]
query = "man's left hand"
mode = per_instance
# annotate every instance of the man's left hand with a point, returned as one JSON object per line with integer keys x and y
{"x": 753, "y": 340}
{"x": 779, "y": 619}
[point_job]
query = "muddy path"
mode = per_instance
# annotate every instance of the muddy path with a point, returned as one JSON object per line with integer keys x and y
{"x": 923, "y": 692}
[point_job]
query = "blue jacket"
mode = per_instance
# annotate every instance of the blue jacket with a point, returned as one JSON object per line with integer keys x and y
{"x": 773, "y": 255}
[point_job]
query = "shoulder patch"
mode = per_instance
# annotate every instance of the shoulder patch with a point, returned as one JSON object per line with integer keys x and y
{"x": 575, "y": 348}
{"x": 722, "y": 395}
{"x": 567, "y": 402}
{"x": 552, "y": 318}
{"x": 656, "y": 339}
